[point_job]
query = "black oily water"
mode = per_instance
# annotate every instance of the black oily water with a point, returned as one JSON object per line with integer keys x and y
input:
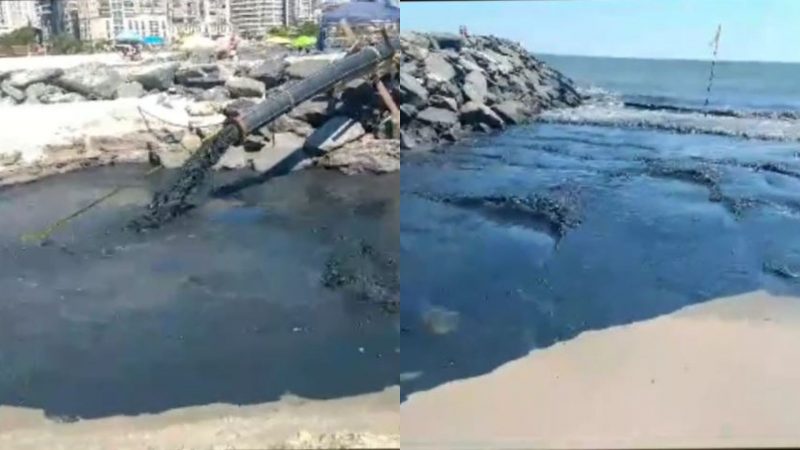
{"x": 174, "y": 201}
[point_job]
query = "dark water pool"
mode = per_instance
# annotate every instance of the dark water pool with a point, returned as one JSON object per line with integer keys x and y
{"x": 228, "y": 304}
{"x": 537, "y": 234}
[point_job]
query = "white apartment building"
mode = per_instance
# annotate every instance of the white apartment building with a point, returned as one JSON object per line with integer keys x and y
{"x": 256, "y": 17}
{"x": 200, "y": 16}
{"x": 17, "y": 14}
{"x": 105, "y": 19}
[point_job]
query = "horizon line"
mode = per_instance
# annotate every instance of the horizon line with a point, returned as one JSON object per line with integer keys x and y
{"x": 661, "y": 58}
{"x": 657, "y": 58}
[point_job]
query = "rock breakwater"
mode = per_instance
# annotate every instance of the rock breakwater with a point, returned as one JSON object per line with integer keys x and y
{"x": 451, "y": 86}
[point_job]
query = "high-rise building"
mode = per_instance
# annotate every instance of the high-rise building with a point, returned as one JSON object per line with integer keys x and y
{"x": 17, "y": 14}
{"x": 256, "y": 17}
{"x": 106, "y": 19}
{"x": 200, "y": 16}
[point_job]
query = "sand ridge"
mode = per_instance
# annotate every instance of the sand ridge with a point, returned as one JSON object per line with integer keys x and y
{"x": 719, "y": 374}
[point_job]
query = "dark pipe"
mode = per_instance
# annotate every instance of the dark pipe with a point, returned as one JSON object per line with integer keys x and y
{"x": 173, "y": 202}
{"x": 287, "y": 98}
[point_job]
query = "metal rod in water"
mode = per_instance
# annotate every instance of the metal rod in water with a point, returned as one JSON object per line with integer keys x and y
{"x": 715, "y": 43}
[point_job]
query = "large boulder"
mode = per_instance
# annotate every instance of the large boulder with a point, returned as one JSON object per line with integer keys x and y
{"x": 25, "y": 78}
{"x": 204, "y": 76}
{"x": 441, "y": 101}
{"x": 202, "y": 108}
{"x": 304, "y": 68}
{"x": 245, "y": 87}
{"x": 238, "y": 106}
{"x": 95, "y": 81}
{"x": 286, "y": 124}
{"x": 336, "y": 132}
{"x": 158, "y": 77}
{"x": 36, "y": 91}
{"x": 313, "y": 111}
{"x": 65, "y": 97}
{"x": 12, "y": 92}
{"x": 438, "y": 69}
{"x": 473, "y": 113}
{"x": 412, "y": 91}
{"x": 364, "y": 155}
{"x": 131, "y": 89}
{"x": 438, "y": 117}
{"x": 511, "y": 111}
{"x": 475, "y": 88}
{"x": 215, "y": 94}
{"x": 447, "y": 41}
{"x": 271, "y": 73}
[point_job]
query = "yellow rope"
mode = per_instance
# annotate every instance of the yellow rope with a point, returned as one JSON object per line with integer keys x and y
{"x": 37, "y": 237}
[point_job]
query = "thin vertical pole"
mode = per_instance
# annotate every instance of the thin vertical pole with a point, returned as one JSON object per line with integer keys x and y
{"x": 715, "y": 43}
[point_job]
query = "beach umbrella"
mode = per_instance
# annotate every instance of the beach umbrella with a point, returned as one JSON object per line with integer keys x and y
{"x": 128, "y": 36}
{"x": 154, "y": 40}
{"x": 278, "y": 40}
{"x": 302, "y": 42}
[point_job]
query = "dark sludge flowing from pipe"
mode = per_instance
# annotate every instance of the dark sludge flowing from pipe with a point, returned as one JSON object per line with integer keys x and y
{"x": 174, "y": 201}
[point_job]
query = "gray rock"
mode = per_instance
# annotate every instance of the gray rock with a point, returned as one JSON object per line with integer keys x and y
{"x": 314, "y": 112}
{"x": 158, "y": 77}
{"x": 202, "y": 108}
{"x": 448, "y": 41}
{"x": 9, "y": 159}
{"x": 438, "y": 117}
{"x": 36, "y": 91}
{"x": 411, "y": 91}
{"x": 474, "y": 113}
{"x": 306, "y": 67}
{"x": 215, "y": 94}
{"x": 238, "y": 106}
{"x": 407, "y": 112}
{"x": 24, "y": 78}
{"x": 7, "y": 101}
{"x": 286, "y": 124}
{"x": 66, "y": 97}
{"x": 336, "y": 132}
{"x": 438, "y": 69}
{"x": 407, "y": 142}
{"x": 95, "y": 81}
{"x": 12, "y": 92}
{"x": 511, "y": 111}
{"x": 245, "y": 87}
{"x": 468, "y": 64}
{"x": 131, "y": 89}
{"x": 475, "y": 87}
{"x": 271, "y": 73}
{"x": 204, "y": 76}
{"x": 441, "y": 101}
{"x": 366, "y": 155}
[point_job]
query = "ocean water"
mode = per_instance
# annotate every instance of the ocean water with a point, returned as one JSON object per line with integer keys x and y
{"x": 632, "y": 206}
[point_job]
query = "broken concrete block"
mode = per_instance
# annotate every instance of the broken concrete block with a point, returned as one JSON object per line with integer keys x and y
{"x": 336, "y": 132}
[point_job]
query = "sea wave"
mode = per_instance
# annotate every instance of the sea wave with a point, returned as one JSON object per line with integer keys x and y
{"x": 604, "y": 108}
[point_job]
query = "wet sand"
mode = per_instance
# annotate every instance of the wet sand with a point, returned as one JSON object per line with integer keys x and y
{"x": 364, "y": 421}
{"x": 719, "y": 374}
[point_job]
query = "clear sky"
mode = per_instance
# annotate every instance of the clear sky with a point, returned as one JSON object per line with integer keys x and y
{"x": 752, "y": 30}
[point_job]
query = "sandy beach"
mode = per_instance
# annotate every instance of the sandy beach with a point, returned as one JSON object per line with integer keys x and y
{"x": 716, "y": 374}
{"x": 364, "y": 421}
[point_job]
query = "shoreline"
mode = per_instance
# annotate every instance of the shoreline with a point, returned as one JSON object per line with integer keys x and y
{"x": 363, "y": 421}
{"x": 706, "y": 375}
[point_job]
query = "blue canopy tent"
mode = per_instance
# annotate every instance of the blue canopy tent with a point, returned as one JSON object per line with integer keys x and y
{"x": 128, "y": 37}
{"x": 358, "y": 13}
{"x": 154, "y": 40}
{"x": 362, "y": 12}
